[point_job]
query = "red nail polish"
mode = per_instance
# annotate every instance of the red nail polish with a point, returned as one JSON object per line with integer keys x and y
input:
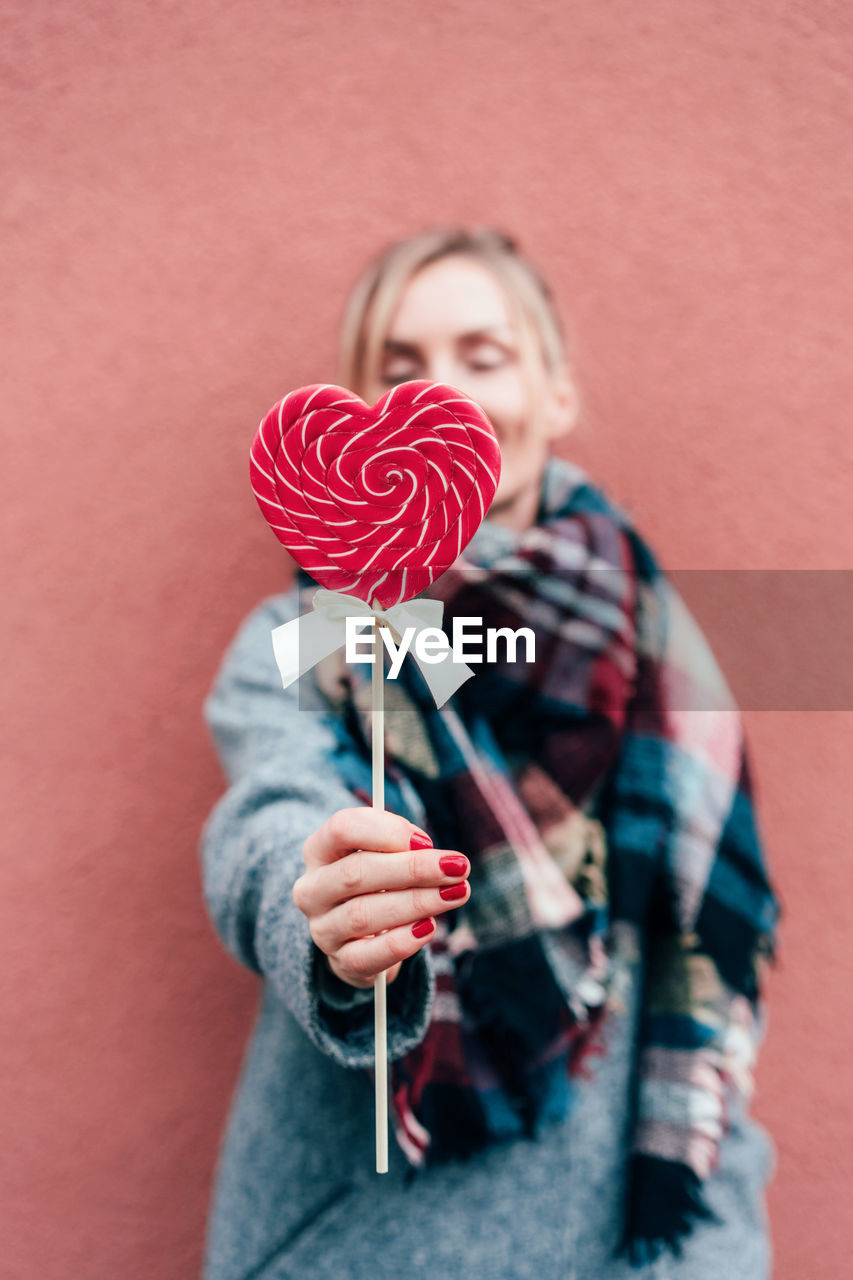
{"x": 454, "y": 891}
{"x": 422, "y": 928}
{"x": 453, "y": 864}
{"x": 420, "y": 840}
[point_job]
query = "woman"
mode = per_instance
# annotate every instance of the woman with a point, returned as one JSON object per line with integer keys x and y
{"x": 567, "y": 891}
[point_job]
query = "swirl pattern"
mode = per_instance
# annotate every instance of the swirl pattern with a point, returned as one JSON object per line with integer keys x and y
{"x": 376, "y": 502}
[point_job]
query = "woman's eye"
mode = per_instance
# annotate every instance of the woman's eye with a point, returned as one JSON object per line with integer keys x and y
{"x": 395, "y": 375}
{"x": 483, "y": 361}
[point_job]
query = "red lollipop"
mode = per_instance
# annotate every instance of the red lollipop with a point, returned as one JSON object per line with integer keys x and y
{"x": 375, "y": 502}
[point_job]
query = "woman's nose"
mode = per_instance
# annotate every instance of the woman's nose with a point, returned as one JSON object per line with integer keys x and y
{"x": 450, "y": 373}
{"x": 441, "y": 369}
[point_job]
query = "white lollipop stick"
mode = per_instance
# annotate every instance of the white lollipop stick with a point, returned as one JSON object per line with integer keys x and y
{"x": 380, "y": 1064}
{"x": 301, "y": 643}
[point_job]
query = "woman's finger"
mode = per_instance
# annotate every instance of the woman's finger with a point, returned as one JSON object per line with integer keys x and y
{"x": 361, "y": 828}
{"x": 372, "y": 913}
{"x": 359, "y": 961}
{"x": 323, "y": 887}
{"x": 355, "y": 979}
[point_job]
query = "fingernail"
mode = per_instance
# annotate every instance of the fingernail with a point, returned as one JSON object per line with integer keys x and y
{"x": 453, "y": 864}
{"x": 422, "y": 928}
{"x": 454, "y": 891}
{"x": 420, "y": 840}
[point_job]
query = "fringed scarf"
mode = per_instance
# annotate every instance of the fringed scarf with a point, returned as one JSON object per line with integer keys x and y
{"x": 603, "y": 796}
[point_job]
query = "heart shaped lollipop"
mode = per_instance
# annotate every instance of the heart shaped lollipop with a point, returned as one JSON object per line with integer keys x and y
{"x": 375, "y": 502}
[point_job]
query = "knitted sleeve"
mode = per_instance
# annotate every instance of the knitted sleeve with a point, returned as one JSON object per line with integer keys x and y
{"x": 285, "y": 762}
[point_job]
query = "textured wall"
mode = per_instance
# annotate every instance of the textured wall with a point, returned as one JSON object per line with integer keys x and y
{"x": 188, "y": 190}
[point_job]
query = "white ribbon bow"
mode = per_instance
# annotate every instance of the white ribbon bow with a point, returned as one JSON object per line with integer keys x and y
{"x": 302, "y": 643}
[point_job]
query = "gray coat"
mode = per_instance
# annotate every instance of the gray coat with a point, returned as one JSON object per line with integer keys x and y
{"x": 295, "y": 1191}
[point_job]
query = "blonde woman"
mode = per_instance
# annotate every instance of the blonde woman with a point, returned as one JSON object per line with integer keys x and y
{"x": 567, "y": 893}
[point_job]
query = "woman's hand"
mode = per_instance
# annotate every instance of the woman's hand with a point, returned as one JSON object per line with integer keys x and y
{"x": 349, "y": 861}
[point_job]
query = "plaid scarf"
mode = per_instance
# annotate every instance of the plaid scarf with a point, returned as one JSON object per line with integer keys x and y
{"x": 603, "y": 796}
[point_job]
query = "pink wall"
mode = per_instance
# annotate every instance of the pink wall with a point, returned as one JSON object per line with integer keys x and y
{"x": 188, "y": 190}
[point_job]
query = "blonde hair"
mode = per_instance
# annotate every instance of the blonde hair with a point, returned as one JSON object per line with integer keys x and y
{"x": 374, "y": 299}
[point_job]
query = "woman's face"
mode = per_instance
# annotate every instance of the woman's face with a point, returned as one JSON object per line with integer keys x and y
{"x": 454, "y": 325}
